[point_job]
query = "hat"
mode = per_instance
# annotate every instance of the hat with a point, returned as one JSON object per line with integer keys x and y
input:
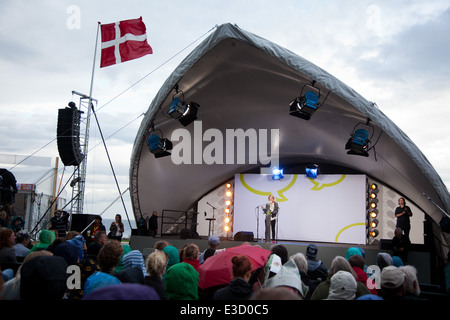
{"x": 384, "y": 259}
{"x": 214, "y": 240}
{"x": 134, "y": 258}
{"x": 273, "y": 264}
{"x": 353, "y": 251}
{"x": 288, "y": 276}
{"x": 392, "y": 277}
{"x": 181, "y": 282}
{"x": 67, "y": 251}
{"x": 43, "y": 278}
{"x": 311, "y": 251}
{"x": 342, "y": 286}
{"x": 99, "y": 280}
{"x": 126, "y": 291}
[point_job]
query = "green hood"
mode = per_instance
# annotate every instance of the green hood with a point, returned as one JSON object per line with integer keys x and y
{"x": 46, "y": 238}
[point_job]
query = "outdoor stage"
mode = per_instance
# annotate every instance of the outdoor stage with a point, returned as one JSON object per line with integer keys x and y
{"x": 418, "y": 257}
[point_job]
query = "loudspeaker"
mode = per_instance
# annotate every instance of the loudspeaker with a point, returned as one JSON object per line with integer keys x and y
{"x": 68, "y": 136}
{"x": 244, "y": 236}
{"x": 80, "y": 221}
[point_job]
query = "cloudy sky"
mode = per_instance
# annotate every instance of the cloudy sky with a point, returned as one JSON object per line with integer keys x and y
{"x": 395, "y": 53}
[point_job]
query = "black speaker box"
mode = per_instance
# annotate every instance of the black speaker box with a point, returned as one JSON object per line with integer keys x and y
{"x": 68, "y": 136}
{"x": 188, "y": 234}
{"x": 80, "y": 221}
{"x": 244, "y": 236}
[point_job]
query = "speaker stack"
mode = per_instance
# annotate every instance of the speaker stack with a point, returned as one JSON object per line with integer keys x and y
{"x": 68, "y": 136}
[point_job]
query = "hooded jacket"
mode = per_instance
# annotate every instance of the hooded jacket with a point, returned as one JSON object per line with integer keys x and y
{"x": 181, "y": 282}
{"x": 46, "y": 238}
{"x": 238, "y": 289}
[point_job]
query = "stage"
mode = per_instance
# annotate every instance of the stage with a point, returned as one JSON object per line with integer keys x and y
{"x": 419, "y": 257}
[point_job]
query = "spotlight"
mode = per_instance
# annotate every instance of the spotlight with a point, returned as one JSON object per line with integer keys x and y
{"x": 227, "y": 210}
{"x": 229, "y": 194}
{"x": 372, "y": 205}
{"x": 226, "y": 228}
{"x": 227, "y": 220}
{"x": 228, "y": 202}
{"x": 304, "y": 106}
{"x": 358, "y": 144}
{"x": 186, "y": 113}
{"x": 374, "y": 233}
{"x": 373, "y": 223}
{"x": 372, "y": 195}
{"x": 373, "y": 186}
{"x": 228, "y": 185}
{"x": 159, "y": 146}
{"x": 312, "y": 171}
{"x": 373, "y": 214}
{"x": 277, "y": 174}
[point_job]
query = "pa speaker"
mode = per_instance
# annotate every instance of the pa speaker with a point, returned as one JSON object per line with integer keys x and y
{"x": 244, "y": 236}
{"x": 188, "y": 234}
{"x": 79, "y": 222}
{"x": 68, "y": 136}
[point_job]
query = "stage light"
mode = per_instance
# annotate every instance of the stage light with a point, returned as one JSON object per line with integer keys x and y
{"x": 374, "y": 233}
{"x": 227, "y": 220}
{"x": 372, "y": 195}
{"x": 312, "y": 171}
{"x": 306, "y": 104}
{"x": 159, "y": 146}
{"x": 229, "y": 194}
{"x": 373, "y": 186}
{"x": 372, "y": 205}
{"x": 186, "y": 113}
{"x": 227, "y": 203}
{"x": 373, "y": 214}
{"x": 277, "y": 174}
{"x": 358, "y": 144}
{"x": 226, "y": 228}
{"x": 228, "y": 185}
{"x": 227, "y": 210}
{"x": 373, "y": 223}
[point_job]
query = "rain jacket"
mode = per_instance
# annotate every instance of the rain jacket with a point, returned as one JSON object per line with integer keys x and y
{"x": 46, "y": 238}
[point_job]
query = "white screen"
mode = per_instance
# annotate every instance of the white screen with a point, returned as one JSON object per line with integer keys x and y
{"x": 330, "y": 208}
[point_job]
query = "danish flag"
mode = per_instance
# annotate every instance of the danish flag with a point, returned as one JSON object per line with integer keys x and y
{"x": 123, "y": 41}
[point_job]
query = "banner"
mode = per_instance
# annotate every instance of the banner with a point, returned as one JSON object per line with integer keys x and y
{"x": 330, "y": 208}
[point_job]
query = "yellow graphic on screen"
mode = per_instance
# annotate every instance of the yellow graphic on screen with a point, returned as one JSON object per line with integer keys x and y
{"x": 280, "y": 192}
{"x": 347, "y": 227}
{"x": 318, "y": 186}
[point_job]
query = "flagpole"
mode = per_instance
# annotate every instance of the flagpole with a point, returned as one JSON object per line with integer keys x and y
{"x": 93, "y": 65}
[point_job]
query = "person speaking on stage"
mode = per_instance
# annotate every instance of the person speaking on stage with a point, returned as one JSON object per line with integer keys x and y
{"x": 403, "y": 213}
{"x": 271, "y": 211}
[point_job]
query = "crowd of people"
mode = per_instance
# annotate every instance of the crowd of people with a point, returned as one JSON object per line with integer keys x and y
{"x": 110, "y": 269}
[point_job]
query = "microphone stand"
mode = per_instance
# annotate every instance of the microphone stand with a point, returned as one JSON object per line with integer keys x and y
{"x": 213, "y": 218}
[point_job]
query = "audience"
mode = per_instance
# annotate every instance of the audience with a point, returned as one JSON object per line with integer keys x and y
{"x": 120, "y": 273}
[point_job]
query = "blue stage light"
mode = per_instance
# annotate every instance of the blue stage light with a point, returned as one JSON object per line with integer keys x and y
{"x": 277, "y": 174}
{"x": 159, "y": 146}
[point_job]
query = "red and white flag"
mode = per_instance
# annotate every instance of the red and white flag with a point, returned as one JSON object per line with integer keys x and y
{"x": 123, "y": 41}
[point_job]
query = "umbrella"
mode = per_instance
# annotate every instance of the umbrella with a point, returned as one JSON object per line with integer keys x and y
{"x": 217, "y": 270}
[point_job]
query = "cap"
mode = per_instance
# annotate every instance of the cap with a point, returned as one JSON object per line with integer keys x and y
{"x": 392, "y": 277}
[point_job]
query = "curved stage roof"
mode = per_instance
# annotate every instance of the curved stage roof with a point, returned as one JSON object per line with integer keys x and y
{"x": 243, "y": 81}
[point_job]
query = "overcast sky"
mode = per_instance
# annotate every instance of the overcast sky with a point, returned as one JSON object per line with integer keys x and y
{"x": 395, "y": 53}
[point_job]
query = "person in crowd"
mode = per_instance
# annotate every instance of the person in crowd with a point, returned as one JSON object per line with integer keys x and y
{"x": 412, "y": 289}
{"x": 11, "y": 290}
{"x": 277, "y": 293}
{"x": 3, "y": 217}
{"x": 213, "y": 243}
{"x": 160, "y": 245}
{"x": 173, "y": 256}
{"x": 46, "y": 237}
{"x": 357, "y": 262}
{"x": 80, "y": 243}
{"x": 100, "y": 239}
{"x": 68, "y": 252}
{"x": 400, "y": 245}
{"x": 7, "y": 241}
{"x": 403, "y": 214}
{"x": 338, "y": 263}
{"x": 384, "y": 259}
{"x": 134, "y": 268}
{"x": 288, "y": 277}
{"x": 190, "y": 255}
{"x": 156, "y": 267}
{"x": 43, "y": 278}
{"x": 99, "y": 280}
{"x": 302, "y": 265}
{"x": 393, "y": 284}
{"x": 116, "y": 229}
{"x": 317, "y": 272}
{"x": 153, "y": 224}
{"x": 96, "y": 226}
{"x": 342, "y": 286}
{"x": 17, "y": 224}
{"x": 58, "y": 222}
{"x": 126, "y": 249}
{"x": 280, "y": 251}
{"x": 23, "y": 245}
{"x": 109, "y": 256}
{"x": 181, "y": 282}
{"x": 126, "y": 291}
{"x": 239, "y": 288}
{"x": 88, "y": 267}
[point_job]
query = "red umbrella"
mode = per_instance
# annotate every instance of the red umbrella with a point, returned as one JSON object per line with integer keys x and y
{"x": 217, "y": 270}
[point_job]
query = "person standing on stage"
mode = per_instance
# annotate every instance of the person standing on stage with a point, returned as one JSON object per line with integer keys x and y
{"x": 271, "y": 211}
{"x": 402, "y": 213}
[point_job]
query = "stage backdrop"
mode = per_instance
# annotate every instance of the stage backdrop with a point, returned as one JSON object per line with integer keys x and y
{"x": 330, "y": 208}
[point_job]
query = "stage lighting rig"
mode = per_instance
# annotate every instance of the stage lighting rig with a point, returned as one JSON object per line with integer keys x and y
{"x": 312, "y": 171}
{"x": 159, "y": 146}
{"x": 277, "y": 174}
{"x": 184, "y": 112}
{"x": 306, "y": 104}
{"x": 359, "y": 141}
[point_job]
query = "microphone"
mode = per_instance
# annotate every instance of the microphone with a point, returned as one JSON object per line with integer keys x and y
{"x": 211, "y": 205}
